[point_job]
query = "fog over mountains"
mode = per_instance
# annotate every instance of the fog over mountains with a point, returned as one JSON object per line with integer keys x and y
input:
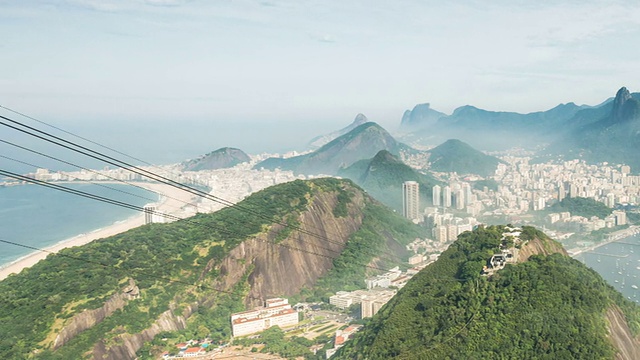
{"x": 499, "y": 130}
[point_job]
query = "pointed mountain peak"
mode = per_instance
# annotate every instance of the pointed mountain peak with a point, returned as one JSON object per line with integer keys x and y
{"x": 623, "y": 94}
{"x": 360, "y": 119}
{"x": 624, "y": 106}
{"x": 386, "y": 156}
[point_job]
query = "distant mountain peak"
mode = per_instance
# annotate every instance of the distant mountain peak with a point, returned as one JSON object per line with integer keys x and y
{"x": 321, "y": 140}
{"x": 225, "y": 157}
{"x": 360, "y": 119}
{"x": 421, "y": 116}
{"x": 620, "y": 109}
{"x": 384, "y": 155}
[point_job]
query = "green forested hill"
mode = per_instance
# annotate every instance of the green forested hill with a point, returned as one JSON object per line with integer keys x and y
{"x": 455, "y": 155}
{"x": 177, "y": 268}
{"x": 550, "y": 307}
{"x": 586, "y": 207}
{"x": 382, "y": 177}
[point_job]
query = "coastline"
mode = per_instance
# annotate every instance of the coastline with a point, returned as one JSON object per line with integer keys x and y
{"x": 613, "y": 237}
{"x": 171, "y": 201}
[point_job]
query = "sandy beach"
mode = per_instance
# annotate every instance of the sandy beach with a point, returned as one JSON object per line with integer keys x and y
{"x": 171, "y": 202}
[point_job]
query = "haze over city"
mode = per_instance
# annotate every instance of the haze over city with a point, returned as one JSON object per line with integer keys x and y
{"x": 293, "y": 62}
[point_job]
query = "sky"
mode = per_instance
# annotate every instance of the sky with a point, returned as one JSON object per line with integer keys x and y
{"x": 309, "y": 65}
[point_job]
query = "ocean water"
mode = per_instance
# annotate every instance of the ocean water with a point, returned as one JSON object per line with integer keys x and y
{"x": 619, "y": 264}
{"x": 40, "y": 217}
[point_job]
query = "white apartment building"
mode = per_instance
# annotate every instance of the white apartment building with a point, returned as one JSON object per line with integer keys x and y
{"x": 276, "y": 312}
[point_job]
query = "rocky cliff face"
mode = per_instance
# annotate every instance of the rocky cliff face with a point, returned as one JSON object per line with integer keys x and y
{"x": 89, "y": 318}
{"x": 283, "y": 269}
{"x": 540, "y": 247}
{"x": 628, "y": 346}
{"x": 128, "y": 344}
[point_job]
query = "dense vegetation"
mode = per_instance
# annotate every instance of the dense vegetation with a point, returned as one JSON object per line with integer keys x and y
{"x": 382, "y": 178}
{"x": 580, "y": 206}
{"x": 167, "y": 262}
{"x": 549, "y": 307}
{"x": 273, "y": 341}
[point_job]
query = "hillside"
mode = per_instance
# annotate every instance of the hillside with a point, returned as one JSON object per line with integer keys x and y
{"x": 612, "y": 134}
{"x": 455, "y": 155}
{"x": 546, "y": 306}
{"x": 382, "y": 178}
{"x": 321, "y": 140}
{"x": 363, "y": 142}
{"x": 219, "y": 159}
{"x": 108, "y": 298}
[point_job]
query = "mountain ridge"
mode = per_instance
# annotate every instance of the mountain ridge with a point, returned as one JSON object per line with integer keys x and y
{"x": 321, "y": 140}
{"x": 362, "y": 142}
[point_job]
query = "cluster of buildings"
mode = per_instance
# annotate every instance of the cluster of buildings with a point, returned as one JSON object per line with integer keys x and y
{"x": 617, "y": 218}
{"x": 276, "y": 311}
{"x": 524, "y": 186}
{"x": 380, "y": 289}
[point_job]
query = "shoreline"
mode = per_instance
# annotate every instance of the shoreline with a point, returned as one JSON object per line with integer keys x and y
{"x": 613, "y": 237}
{"x": 170, "y": 201}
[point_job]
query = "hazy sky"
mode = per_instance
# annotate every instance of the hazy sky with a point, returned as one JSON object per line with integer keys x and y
{"x": 309, "y": 61}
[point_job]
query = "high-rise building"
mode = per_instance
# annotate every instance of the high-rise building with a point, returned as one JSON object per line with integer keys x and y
{"x": 411, "y": 200}
{"x": 621, "y": 217}
{"x": 446, "y": 196}
{"x": 149, "y": 211}
{"x": 573, "y": 191}
{"x": 467, "y": 193}
{"x": 437, "y": 195}
{"x": 460, "y": 202}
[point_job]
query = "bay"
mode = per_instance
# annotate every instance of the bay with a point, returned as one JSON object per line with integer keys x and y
{"x": 619, "y": 264}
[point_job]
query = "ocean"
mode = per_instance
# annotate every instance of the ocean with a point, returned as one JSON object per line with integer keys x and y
{"x": 619, "y": 264}
{"x": 41, "y": 217}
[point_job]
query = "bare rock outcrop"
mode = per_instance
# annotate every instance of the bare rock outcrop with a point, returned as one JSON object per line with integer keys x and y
{"x": 128, "y": 344}
{"x": 89, "y": 318}
{"x": 540, "y": 247}
{"x": 628, "y": 346}
{"x": 283, "y": 269}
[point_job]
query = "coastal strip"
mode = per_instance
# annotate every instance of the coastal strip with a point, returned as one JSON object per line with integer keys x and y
{"x": 613, "y": 237}
{"x": 172, "y": 201}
